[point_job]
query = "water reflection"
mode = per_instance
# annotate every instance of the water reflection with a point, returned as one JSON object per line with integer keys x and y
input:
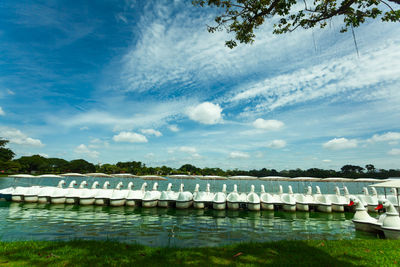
{"x": 167, "y": 227}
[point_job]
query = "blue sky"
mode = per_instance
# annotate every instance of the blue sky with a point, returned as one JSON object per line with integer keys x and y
{"x": 113, "y": 81}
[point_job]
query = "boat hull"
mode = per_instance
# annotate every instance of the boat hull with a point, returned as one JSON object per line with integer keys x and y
{"x": 149, "y": 203}
{"x": 267, "y": 206}
{"x": 163, "y": 203}
{"x": 31, "y": 199}
{"x": 183, "y": 204}
{"x": 133, "y": 202}
{"x": 337, "y": 208}
{"x": 254, "y": 206}
{"x": 117, "y": 202}
{"x": 71, "y": 200}
{"x": 233, "y": 205}
{"x": 324, "y": 208}
{"x": 17, "y": 198}
{"x": 101, "y": 201}
{"x": 219, "y": 206}
{"x": 289, "y": 207}
{"x": 198, "y": 205}
{"x": 366, "y": 226}
{"x": 87, "y": 201}
{"x": 43, "y": 200}
{"x": 391, "y": 233}
{"x": 57, "y": 200}
{"x": 302, "y": 207}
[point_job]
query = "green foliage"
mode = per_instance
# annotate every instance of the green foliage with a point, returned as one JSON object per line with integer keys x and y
{"x": 243, "y": 17}
{"x": 81, "y": 165}
{"x": 281, "y": 253}
{"x": 6, "y": 154}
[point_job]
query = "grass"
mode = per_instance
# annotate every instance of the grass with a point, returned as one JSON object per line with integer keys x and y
{"x": 281, "y": 253}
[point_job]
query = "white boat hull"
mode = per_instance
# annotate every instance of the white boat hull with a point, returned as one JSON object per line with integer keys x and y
{"x": 233, "y": 205}
{"x": 219, "y": 206}
{"x": 43, "y": 200}
{"x": 132, "y": 203}
{"x": 17, "y": 198}
{"x": 302, "y": 207}
{"x": 31, "y": 199}
{"x": 183, "y": 204}
{"x": 365, "y": 226}
{"x": 267, "y": 206}
{"x": 254, "y": 206}
{"x": 101, "y": 201}
{"x": 198, "y": 205}
{"x": 288, "y": 207}
{"x": 324, "y": 208}
{"x": 86, "y": 201}
{"x": 57, "y": 200}
{"x": 117, "y": 202}
{"x": 163, "y": 203}
{"x": 337, "y": 208}
{"x": 149, "y": 204}
{"x": 391, "y": 233}
{"x": 71, "y": 200}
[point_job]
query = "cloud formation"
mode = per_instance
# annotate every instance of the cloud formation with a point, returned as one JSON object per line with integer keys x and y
{"x": 268, "y": 125}
{"x": 130, "y": 137}
{"x": 151, "y": 132}
{"x": 277, "y": 144}
{"x": 205, "y": 113}
{"x": 340, "y": 143}
{"x": 85, "y": 151}
{"x": 239, "y": 155}
{"x": 15, "y": 136}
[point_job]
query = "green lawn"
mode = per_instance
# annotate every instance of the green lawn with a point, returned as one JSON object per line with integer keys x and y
{"x": 108, "y": 253}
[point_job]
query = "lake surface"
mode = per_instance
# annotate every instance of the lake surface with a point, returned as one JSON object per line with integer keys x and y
{"x": 168, "y": 227}
{"x": 171, "y": 227}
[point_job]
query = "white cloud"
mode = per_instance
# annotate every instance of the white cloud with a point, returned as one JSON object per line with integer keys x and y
{"x": 84, "y": 150}
{"x": 394, "y": 152}
{"x": 43, "y": 155}
{"x": 151, "y": 132}
{"x": 277, "y": 144}
{"x": 84, "y": 128}
{"x": 10, "y": 92}
{"x": 130, "y": 137}
{"x": 206, "y": 113}
{"x": 173, "y": 128}
{"x": 238, "y": 155}
{"x": 269, "y": 125}
{"x": 188, "y": 149}
{"x": 17, "y": 137}
{"x": 2, "y": 113}
{"x": 391, "y": 137}
{"x": 332, "y": 78}
{"x": 340, "y": 143}
{"x": 326, "y": 160}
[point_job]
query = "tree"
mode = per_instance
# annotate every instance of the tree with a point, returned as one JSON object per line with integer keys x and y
{"x": 81, "y": 166}
{"x": 6, "y": 154}
{"x": 242, "y": 17}
{"x": 370, "y": 168}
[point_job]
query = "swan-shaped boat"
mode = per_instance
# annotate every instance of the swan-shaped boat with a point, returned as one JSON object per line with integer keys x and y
{"x": 393, "y": 197}
{"x": 18, "y": 193}
{"x": 6, "y": 193}
{"x": 167, "y": 197}
{"x": 362, "y": 220}
{"x": 44, "y": 194}
{"x": 372, "y": 200}
{"x": 338, "y": 201}
{"x": 253, "y": 200}
{"x": 185, "y": 199}
{"x": 268, "y": 200}
{"x": 323, "y": 202}
{"x": 203, "y": 198}
{"x": 233, "y": 199}
{"x": 135, "y": 197}
{"x": 151, "y": 198}
{"x": 288, "y": 200}
{"x": 103, "y": 195}
{"x": 391, "y": 222}
{"x": 304, "y": 201}
{"x": 219, "y": 201}
{"x": 363, "y": 197}
{"x": 73, "y": 195}
{"x": 87, "y": 196}
{"x": 58, "y": 195}
{"x": 118, "y": 197}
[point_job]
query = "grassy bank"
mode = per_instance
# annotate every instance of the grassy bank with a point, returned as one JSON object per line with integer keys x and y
{"x": 305, "y": 253}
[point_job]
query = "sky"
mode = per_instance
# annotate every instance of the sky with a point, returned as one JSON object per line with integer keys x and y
{"x": 111, "y": 81}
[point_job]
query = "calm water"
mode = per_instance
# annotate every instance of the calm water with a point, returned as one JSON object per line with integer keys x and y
{"x": 170, "y": 227}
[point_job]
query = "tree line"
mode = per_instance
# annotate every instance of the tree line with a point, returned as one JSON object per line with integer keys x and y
{"x": 37, "y": 164}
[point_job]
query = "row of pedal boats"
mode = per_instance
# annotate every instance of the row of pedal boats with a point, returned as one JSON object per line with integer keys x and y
{"x": 182, "y": 199}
